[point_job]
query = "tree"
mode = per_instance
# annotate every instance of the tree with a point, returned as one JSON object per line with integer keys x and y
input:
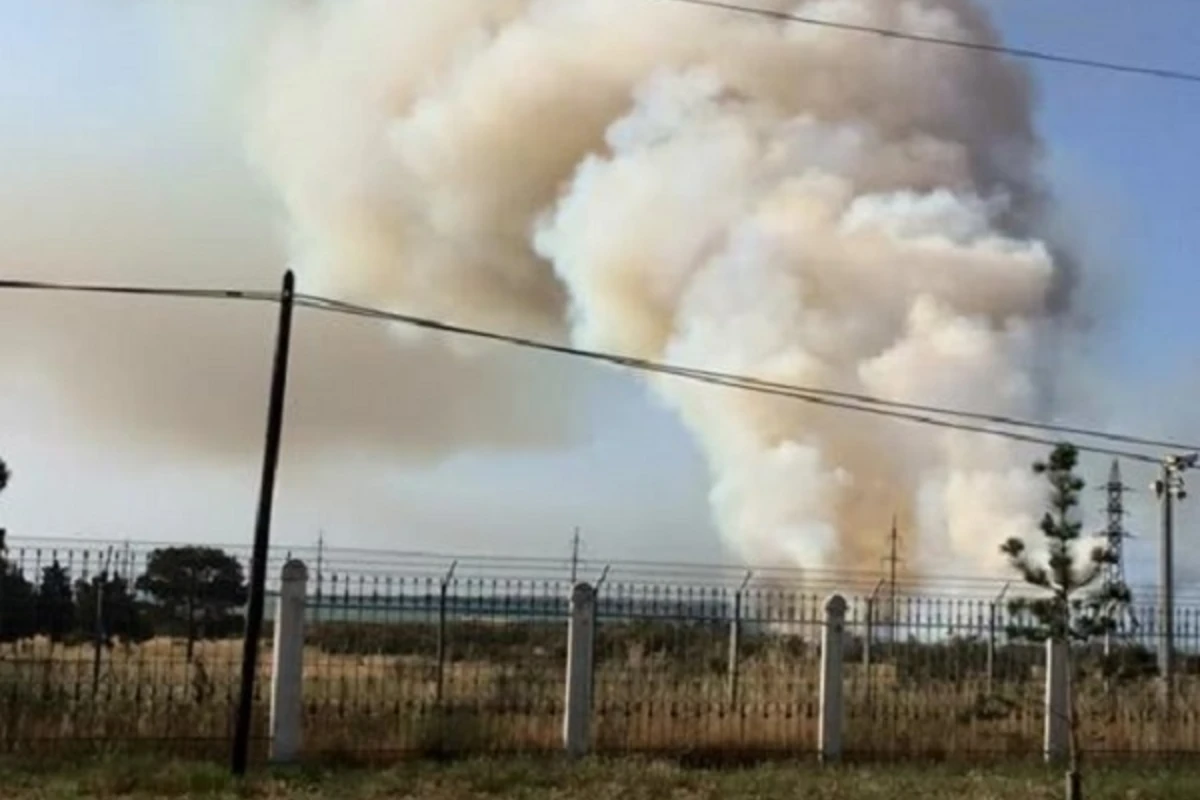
{"x": 18, "y": 613}
{"x": 18, "y": 608}
{"x": 196, "y": 591}
{"x": 1076, "y": 606}
{"x": 55, "y": 603}
{"x": 5, "y": 476}
{"x": 119, "y": 614}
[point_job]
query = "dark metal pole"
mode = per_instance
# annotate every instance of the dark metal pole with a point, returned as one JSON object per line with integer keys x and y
{"x": 262, "y": 527}
{"x": 735, "y": 635}
{"x": 1166, "y": 582}
{"x": 440, "y": 689}
{"x": 1169, "y": 487}
{"x": 735, "y": 643}
{"x": 441, "y": 634}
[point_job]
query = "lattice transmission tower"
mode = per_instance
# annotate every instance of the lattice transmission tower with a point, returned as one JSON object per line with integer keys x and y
{"x": 1115, "y": 534}
{"x": 1114, "y": 531}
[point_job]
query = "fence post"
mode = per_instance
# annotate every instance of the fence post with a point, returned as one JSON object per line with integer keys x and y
{"x": 287, "y": 669}
{"x": 867, "y": 655}
{"x": 829, "y": 734}
{"x": 581, "y": 631}
{"x": 443, "y": 589}
{"x": 1057, "y": 732}
{"x": 735, "y": 629}
{"x": 868, "y": 635}
{"x": 991, "y": 647}
{"x": 735, "y": 642}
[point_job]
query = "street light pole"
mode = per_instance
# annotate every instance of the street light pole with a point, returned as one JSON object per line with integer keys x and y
{"x": 1169, "y": 488}
{"x": 1166, "y": 577}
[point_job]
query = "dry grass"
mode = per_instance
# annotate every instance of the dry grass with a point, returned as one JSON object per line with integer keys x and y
{"x": 388, "y": 705}
{"x": 602, "y": 780}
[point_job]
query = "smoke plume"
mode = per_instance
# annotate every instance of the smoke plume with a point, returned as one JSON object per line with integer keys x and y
{"x": 791, "y": 202}
{"x": 156, "y": 192}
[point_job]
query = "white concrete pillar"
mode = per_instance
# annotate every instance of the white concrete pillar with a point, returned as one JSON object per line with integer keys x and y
{"x": 1058, "y": 728}
{"x": 577, "y": 713}
{"x": 832, "y": 711}
{"x": 287, "y": 669}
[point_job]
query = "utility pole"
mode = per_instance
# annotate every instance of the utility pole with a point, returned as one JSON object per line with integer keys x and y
{"x": 320, "y": 561}
{"x": 262, "y": 527}
{"x": 893, "y": 560}
{"x": 575, "y": 556}
{"x": 1169, "y": 488}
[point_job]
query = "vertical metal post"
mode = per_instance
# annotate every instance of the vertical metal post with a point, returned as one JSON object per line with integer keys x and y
{"x": 440, "y": 688}
{"x": 991, "y": 645}
{"x": 596, "y": 602}
{"x": 735, "y": 636}
{"x": 1166, "y": 579}
{"x": 893, "y": 560}
{"x": 262, "y": 527}
{"x": 1169, "y": 488}
{"x": 868, "y": 635}
{"x": 575, "y": 556}
{"x": 735, "y": 626}
{"x": 98, "y": 637}
{"x": 320, "y": 562}
{"x": 869, "y": 638}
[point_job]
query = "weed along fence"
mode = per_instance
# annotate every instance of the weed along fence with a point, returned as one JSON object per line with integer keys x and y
{"x": 384, "y": 657}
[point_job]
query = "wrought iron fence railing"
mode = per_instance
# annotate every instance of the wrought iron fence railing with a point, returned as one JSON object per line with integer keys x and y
{"x": 406, "y": 658}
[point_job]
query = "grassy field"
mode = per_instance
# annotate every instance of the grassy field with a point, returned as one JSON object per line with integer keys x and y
{"x": 601, "y": 780}
{"x": 668, "y": 697}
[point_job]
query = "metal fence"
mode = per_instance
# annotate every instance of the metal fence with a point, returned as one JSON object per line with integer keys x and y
{"x": 413, "y": 655}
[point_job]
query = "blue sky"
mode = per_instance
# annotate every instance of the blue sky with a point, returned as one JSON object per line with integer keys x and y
{"x": 87, "y": 87}
{"x": 1127, "y": 141}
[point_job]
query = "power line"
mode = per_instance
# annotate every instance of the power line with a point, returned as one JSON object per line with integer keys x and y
{"x": 1013, "y": 422}
{"x": 142, "y": 291}
{"x": 813, "y": 397}
{"x": 1015, "y": 52}
{"x": 862, "y": 403}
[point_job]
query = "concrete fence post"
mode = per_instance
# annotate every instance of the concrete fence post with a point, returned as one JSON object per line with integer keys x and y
{"x": 832, "y": 712}
{"x": 581, "y": 638}
{"x": 287, "y": 672}
{"x": 1058, "y": 729}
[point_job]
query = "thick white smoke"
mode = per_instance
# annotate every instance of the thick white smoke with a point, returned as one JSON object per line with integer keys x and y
{"x": 791, "y": 202}
{"x": 103, "y": 189}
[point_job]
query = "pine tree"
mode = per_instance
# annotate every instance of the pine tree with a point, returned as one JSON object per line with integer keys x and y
{"x": 17, "y": 611}
{"x": 56, "y": 603}
{"x": 1075, "y": 606}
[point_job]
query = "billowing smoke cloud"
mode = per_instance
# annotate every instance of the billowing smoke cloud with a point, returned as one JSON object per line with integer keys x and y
{"x": 157, "y": 192}
{"x": 738, "y": 194}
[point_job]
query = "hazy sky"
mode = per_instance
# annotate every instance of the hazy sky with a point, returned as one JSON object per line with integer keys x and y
{"x": 120, "y": 164}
